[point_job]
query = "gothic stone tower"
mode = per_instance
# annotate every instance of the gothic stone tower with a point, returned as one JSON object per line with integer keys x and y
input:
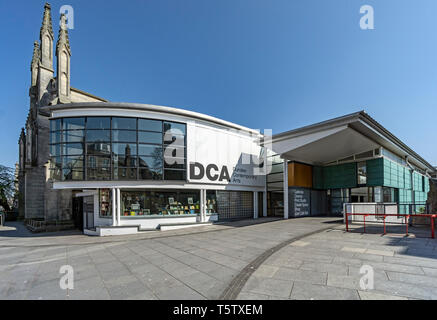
{"x": 37, "y": 199}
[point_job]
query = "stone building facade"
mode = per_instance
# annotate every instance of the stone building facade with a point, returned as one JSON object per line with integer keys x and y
{"x": 37, "y": 199}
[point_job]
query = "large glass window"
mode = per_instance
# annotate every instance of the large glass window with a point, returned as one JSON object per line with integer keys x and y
{"x": 98, "y": 122}
{"x": 159, "y": 203}
{"x": 119, "y": 148}
{"x": 389, "y": 194}
{"x": 211, "y": 201}
{"x": 362, "y": 172}
{"x": 105, "y": 203}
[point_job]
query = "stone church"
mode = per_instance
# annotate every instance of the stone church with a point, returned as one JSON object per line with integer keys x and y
{"x": 37, "y": 200}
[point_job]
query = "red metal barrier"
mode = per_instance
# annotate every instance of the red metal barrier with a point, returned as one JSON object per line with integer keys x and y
{"x": 385, "y": 215}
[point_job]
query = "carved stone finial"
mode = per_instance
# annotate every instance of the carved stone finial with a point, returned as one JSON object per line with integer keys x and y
{"x": 47, "y": 21}
{"x": 63, "y": 35}
{"x": 36, "y": 55}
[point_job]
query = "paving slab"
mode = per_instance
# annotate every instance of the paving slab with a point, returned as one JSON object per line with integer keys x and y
{"x": 203, "y": 263}
{"x": 303, "y": 291}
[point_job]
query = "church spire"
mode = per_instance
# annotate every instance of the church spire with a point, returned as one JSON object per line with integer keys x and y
{"x": 35, "y": 62}
{"x": 63, "y": 35}
{"x": 47, "y": 37}
{"x": 47, "y": 21}
{"x": 63, "y": 54}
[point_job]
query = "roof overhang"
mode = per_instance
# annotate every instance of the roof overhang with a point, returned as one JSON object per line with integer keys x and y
{"x": 339, "y": 138}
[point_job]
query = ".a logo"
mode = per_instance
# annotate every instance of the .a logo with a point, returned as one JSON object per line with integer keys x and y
{"x": 367, "y": 280}
{"x": 367, "y": 20}
{"x": 67, "y": 280}
{"x": 68, "y": 11}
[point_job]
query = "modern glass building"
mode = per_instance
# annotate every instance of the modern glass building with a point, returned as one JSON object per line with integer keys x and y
{"x": 350, "y": 159}
{"x": 140, "y": 167}
{"x": 116, "y": 168}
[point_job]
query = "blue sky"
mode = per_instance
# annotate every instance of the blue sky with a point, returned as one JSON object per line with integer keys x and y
{"x": 277, "y": 64}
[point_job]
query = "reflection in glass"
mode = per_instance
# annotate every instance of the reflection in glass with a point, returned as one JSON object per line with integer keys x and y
{"x": 174, "y": 174}
{"x": 124, "y": 148}
{"x": 73, "y": 136}
{"x": 105, "y": 203}
{"x": 55, "y": 150}
{"x": 362, "y": 172}
{"x": 55, "y": 125}
{"x": 159, "y": 203}
{"x": 73, "y": 124}
{"x": 150, "y": 162}
{"x": 150, "y": 173}
{"x": 99, "y": 162}
{"x": 98, "y": 123}
{"x": 124, "y": 135}
{"x": 55, "y": 162}
{"x": 72, "y": 149}
{"x": 95, "y": 173}
{"x": 55, "y": 137}
{"x": 149, "y": 125}
{"x": 124, "y": 123}
{"x": 149, "y": 137}
{"x": 124, "y": 161}
{"x": 75, "y": 163}
{"x": 125, "y": 173}
{"x": 70, "y": 174}
{"x": 149, "y": 150}
{"x": 101, "y": 148}
{"x": 211, "y": 201}
{"x": 175, "y": 127}
{"x": 178, "y": 164}
{"x": 88, "y": 143}
{"x": 98, "y": 135}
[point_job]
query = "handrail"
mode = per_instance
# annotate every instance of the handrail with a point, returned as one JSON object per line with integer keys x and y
{"x": 385, "y": 215}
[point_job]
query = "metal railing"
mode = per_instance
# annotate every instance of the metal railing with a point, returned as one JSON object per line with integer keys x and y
{"x": 384, "y": 217}
{"x": 393, "y": 213}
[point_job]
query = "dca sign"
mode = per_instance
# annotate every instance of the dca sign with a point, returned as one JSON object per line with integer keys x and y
{"x": 211, "y": 171}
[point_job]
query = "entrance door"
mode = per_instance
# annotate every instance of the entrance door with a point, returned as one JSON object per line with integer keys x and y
{"x": 78, "y": 212}
{"x": 88, "y": 210}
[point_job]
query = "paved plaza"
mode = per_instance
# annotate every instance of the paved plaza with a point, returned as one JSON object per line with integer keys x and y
{"x": 308, "y": 258}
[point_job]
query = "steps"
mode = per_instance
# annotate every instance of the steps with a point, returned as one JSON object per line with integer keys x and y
{"x": 135, "y": 229}
{"x": 175, "y": 226}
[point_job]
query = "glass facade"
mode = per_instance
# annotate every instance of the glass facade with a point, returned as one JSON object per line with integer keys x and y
{"x": 117, "y": 148}
{"x": 159, "y": 203}
{"x": 105, "y": 203}
{"x": 362, "y": 173}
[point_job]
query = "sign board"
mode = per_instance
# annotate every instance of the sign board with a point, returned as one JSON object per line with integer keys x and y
{"x": 221, "y": 156}
{"x": 299, "y": 202}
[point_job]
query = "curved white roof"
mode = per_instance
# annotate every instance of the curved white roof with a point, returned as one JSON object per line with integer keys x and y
{"x": 147, "y": 107}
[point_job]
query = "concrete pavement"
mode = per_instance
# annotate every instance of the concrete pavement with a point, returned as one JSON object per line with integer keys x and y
{"x": 182, "y": 264}
{"x": 216, "y": 261}
{"x": 327, "y": 266}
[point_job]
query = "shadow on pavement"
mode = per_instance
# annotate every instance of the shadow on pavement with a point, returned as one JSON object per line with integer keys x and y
{"x": 17, "y": 229}
{"x": 418, "y": 243}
